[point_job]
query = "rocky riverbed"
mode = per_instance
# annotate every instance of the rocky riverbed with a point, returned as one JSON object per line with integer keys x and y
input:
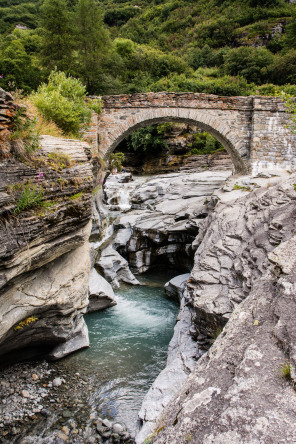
{"x": 44, "y": 402}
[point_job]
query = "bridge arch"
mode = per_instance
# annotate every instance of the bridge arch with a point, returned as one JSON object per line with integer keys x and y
{"x": 252, "y": 129}
{"x": 213, "y": 126}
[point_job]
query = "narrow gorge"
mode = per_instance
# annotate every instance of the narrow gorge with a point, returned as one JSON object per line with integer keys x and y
{"x": 176, "y": 290}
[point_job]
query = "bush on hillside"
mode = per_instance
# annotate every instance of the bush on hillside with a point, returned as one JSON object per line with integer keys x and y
{"x": 62, "y": 100}
{"x": 224, "y": 86}
{"x": 251, "y": 63}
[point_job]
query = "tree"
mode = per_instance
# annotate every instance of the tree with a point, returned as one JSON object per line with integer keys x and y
{"x": 251, "y": 63}
{"x": 16, "y": 67}
{"x": 93, "y": 46}
{"x": 58, "y": 36}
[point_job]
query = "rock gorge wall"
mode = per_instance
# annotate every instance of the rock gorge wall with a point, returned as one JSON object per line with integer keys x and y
{"x": 244, "y": 274}
{"x": 44, "y": 265}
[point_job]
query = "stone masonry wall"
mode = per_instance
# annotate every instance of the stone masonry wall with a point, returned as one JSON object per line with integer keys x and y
{"x": 273, "y": 144}
{"x": 252, "y": 129}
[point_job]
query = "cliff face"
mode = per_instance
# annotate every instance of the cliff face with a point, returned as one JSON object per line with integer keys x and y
{"x": 45, "y": 207}
{"x": 243, "y": 389}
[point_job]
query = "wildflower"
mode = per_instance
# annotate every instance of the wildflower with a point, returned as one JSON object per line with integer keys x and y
{"x": 40, "y": 176}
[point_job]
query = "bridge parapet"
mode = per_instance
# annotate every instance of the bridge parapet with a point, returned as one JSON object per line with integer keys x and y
{"x": 173, "y": 100}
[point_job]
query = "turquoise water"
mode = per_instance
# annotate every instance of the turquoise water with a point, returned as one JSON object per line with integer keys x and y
{"x": 128, "y": 349}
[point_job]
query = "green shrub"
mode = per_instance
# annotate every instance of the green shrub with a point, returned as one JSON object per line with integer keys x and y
{"x": 286, "y": 371}
{"x": 95, "y": 105}
{"x": 30, "y": 197}
{"x": 205, "y": 143}
{"x": 116, "y": 160}
{"x": 149, "y": 138}
{"x": 62, "y": 100}
{"x": 251, "y": 63}
{"x": 225, "y": 86}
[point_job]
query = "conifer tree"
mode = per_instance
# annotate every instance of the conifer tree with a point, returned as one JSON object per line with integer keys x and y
{"x": 93, "y": 46}
{"x": 58, "y": 35}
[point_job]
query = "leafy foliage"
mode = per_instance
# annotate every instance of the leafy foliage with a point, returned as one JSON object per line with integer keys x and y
{"x": 116, "y": 160}
{"x": 147, "y": 138}
{"x": 205, "y": 143}
{"x": 117, "y": 46}
{"x": 62, "y": 101}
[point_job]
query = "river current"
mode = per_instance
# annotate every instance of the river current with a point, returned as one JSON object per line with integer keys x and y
{"x": 128, "y": 347}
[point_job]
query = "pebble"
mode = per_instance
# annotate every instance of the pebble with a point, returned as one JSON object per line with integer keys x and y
{"x": 107, "y": 423}
{"x": 31, "y": 393}
{"x": 57, "y": 382}
{"x": 65, "y": 430}
{"x": 118, "y": 428}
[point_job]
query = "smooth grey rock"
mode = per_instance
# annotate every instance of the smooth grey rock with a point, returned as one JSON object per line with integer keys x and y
{"x": 107, "y": 423}
{"x": 101, "y": 294}
{"x": 115, "y": 268}
{"x": 176, "y": 286}
{"x": 79, "y": 339}
{"x": 117, "y": 427}
{"x": 56, "y": 298}
{"x": 244, "y": 273}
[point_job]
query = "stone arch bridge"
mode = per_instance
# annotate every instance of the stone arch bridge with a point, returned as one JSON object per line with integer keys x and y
{"x": 252, "y": 129}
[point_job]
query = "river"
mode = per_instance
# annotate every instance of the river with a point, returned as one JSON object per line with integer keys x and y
{"x": 128, "y": 347}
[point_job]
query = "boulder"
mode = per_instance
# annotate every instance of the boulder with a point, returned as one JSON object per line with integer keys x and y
{"x": 115, "y": 268}
{"x": 101, "y": 294}
{"x": 46, "y": 307}
{"x": 176, "y": 286}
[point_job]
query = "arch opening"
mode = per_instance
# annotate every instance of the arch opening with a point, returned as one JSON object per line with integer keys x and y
{"x": 170, "y": 147}
{"x": 225, "y": 137}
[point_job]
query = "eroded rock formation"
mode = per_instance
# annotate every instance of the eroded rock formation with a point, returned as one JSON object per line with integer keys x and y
{"x": 44, "y": 249}
{"x": 244, "y": 273}
{"x": 166, "y": 213}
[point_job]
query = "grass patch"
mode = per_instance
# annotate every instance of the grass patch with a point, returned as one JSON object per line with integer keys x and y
{"x": 59, "y": 161}
{"x": 30, "y": 197}
{"x": 241, "y": 187}
{"x": 76, "y": 196}
{"x": 42, "y": 125}
{"x": 149, "y": 438}
{"x": 286, "y": 371}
